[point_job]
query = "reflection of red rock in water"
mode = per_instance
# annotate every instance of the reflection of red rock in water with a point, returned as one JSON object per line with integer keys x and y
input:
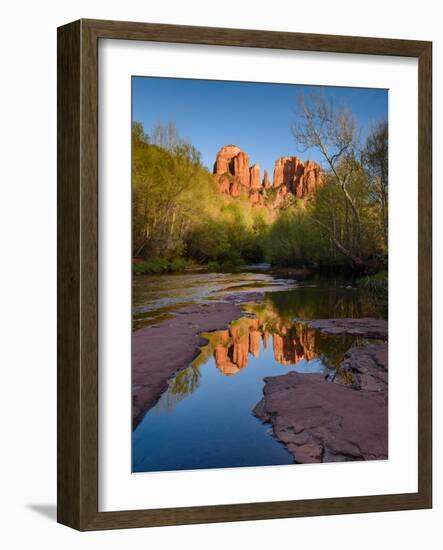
{"x": 234, "y": 345}
{"x": 265, "y": 340}
{"x": 294, "y": 344}
{"x": 290, "y": 344}
{"x": 254, "y": 342}
{"x": 241, "y": 350}
{"x": 223, "y": 361}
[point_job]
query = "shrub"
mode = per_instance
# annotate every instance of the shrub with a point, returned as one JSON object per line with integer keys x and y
{"x": 213, "y": 266}
{"x": 156, "y": 266}
{"x": 377, "y": 284}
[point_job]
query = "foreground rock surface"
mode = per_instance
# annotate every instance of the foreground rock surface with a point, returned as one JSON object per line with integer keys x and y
{"x": 366, "y": 327}
{"x": 322, "y": 421}
{"x": 368, "y": 368}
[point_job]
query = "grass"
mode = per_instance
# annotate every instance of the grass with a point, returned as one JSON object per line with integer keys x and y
{"x": 377, "y": 284}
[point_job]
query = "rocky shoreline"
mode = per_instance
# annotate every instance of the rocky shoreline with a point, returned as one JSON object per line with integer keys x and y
{"x": 317, "y": 419}
{"x": 333, "y": 421}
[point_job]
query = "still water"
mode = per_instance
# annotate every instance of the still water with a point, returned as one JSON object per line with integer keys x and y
{"x": 204, "y": 419}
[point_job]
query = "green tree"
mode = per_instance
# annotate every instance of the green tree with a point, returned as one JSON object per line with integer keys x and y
{"x": 166, "y": 185}
{"x": 375, "y": 158}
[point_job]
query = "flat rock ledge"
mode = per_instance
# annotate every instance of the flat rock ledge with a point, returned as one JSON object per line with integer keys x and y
{"x": 368, "y": 368}
{"x": 160, "y": 351}
{"x": 321, "y": 421}
{"x": 366, "y": 327}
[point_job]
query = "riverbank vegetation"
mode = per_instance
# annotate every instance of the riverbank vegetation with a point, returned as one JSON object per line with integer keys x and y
{"x": 161, "y": 265}
{"x": 180, "y": 218}
{"x": 376, "y": 284}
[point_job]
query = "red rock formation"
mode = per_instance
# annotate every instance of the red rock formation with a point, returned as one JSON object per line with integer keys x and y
{"x": 235, "y": 189}
{"x": 256, "y": 197}
{"x": 297, "y": 177}
{"x": 291, "y": 175}
{"x": 224, "y": 161}
{"x": 232, "y": 164}
{"x": 241, "y": 168}
{"x": 255, "y": 182}
{"x": 224, "y": 184}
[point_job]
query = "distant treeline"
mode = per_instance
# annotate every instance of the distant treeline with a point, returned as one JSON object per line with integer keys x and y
{"x": 179, "y": 216}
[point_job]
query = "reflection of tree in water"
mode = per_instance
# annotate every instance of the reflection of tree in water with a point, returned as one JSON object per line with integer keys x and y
{"x": 331, "y": 349}
{"x": 184, "y": 383}
{"x": 332, "y": 301}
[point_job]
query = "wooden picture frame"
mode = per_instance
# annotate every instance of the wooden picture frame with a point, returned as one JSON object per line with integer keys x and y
{"x": 78, "y": 273}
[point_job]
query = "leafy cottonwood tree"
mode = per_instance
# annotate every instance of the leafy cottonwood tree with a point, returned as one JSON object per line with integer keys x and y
{"x": 165, "y": 186}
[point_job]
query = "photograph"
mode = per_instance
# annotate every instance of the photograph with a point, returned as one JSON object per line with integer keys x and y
{"x": 259, "y": 274}
{"x": 230, "y": 213}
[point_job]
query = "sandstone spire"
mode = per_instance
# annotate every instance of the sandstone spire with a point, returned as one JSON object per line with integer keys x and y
{"x": 255, "y": 182}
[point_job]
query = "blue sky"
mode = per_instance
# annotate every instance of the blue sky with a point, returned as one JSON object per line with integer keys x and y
{"x": 254, "y": 116}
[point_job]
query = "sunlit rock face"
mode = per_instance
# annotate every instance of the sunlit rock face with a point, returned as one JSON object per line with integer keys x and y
{"x": 297, "y": 177}
{"x": 255, "y": 182}
{"x": 241, "y": 169}
{"x": 291, "y": 176}
{"x": 224, "y": 161}
{"x": 266, "y": 183}
{"x": 232, "y": 164}
{"x": 256, "y": 197}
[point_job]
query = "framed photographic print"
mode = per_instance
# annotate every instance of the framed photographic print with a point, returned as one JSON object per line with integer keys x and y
{"x": 244, "y": 275}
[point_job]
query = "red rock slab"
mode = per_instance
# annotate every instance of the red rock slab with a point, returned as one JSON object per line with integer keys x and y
{"x": 160, "y": 351}
{"x": 367, "y": 327}
{"x": 320, "y": 421}
{"x": 368, "y": 367}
